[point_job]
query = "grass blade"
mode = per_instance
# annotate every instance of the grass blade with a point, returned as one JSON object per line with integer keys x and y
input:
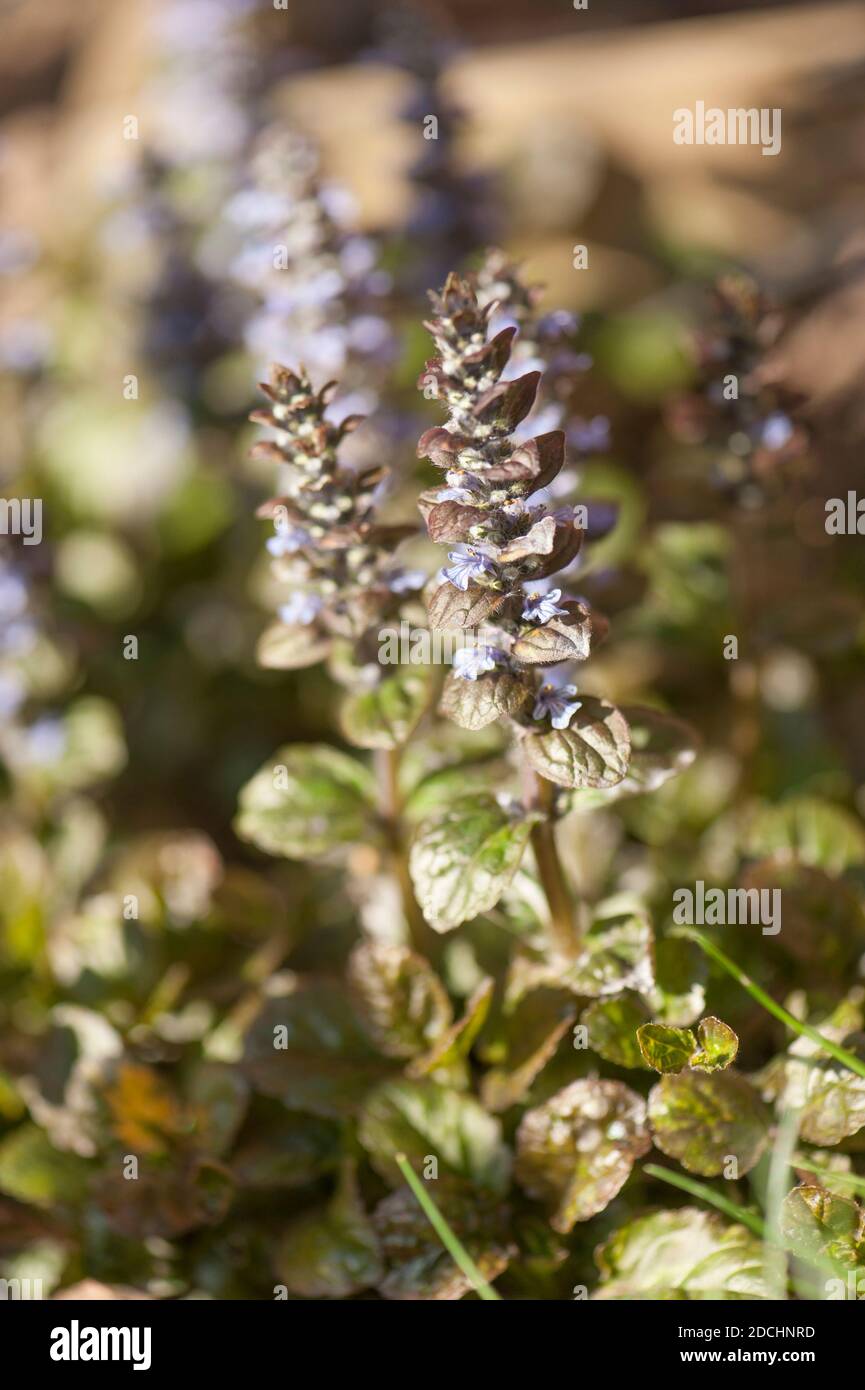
{"x": 847, "y": 1059}
{"x": 828, "y": 1176}
{"x": 448, "y": 1238}
{"x": 708, "y": 1194}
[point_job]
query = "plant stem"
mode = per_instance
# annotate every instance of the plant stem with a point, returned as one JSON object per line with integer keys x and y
{"x": 708, "y": 1194}
{"x": 847, "y": 1059}
{"x": 446, "y": 1235}
{"x": 422, "y": 936}
{"x": 540, "y": 795}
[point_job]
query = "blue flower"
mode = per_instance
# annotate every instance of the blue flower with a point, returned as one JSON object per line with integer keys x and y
{"x": 557, "y": 703}
{"x": 467, "y": 563}
{"x": 403, "y": 581}
{"x": 777, "y": 431}
{"x": 471, "y": 662}
{"x": 287, "y": 540}
{"x": 46, "y": 741}
{"x": 590, "y": 436}
{"x": 539, "y": 608}
{"x": 301, "y": 610}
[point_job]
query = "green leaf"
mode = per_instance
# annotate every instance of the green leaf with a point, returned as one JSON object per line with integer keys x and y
{"x": 833, "y": 1108}
{"x": 704, "y": 1121}
{"x": 33, "y": 1171}
{"x": 669, "y": 1049}
{"x": 475, "y": 704}
{"x": 829, "y": 1098}
{"x": 307, "y": 802}
{"x": 818, "y": 1225}
{"x": 808, "y": 830}
{"x": 593, "y": 751}
{"x": 331, "y": 1251}
{"x": 666, "y": 1049}
{"x": 308, "y": 1050}
{"x": 399, "y": 998}
{"x": 288, "y": 1150}
{"x": 612, "y": 1028}
{"x": 284, "y": 648}
{"x": 575, "y": 1152}
{"x": 661, "y": 748}
{"x": 463, "y": 857}
{"x": 218, "y": 1096}
{"x": 417, "y": 1264}
{"x": 688, "y": 1253}
{"x": 385, "y": 716}
{"x": 445, "y": 1232}
{"x": 718, "y": 1046}
{"x": 448, "y": 785}
{"x": 423, "y": 1121}
{"x": 616, "y": 954}
{"x": 455, "y": 1044}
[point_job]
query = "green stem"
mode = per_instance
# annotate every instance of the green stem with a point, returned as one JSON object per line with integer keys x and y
{"x": 847, "y": 1059}
{"x": 448, "y": 1238}
{"x": 540, "y": 795}
{"x": 387, "y": 761}
{"x": 708, "y": 1194}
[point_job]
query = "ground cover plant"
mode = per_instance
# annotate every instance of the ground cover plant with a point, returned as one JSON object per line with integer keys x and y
{"x": 432, "y": 863}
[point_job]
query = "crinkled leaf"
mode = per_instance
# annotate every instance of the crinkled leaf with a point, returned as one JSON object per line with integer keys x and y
{"x": 616, "y": 954}
{"x": 816, "y": 1224}
{"x": 688, "y": 1253}
{"x": 385, "y": 716}
{"x": 666, "y": 1049}
{"x": 331, "y": 1251}
{"x": 575, "y": 1152}
{"x": 417, "y": 1264}
{"x": 463, "y": 857}
{"x": 661, "y": 748}
{"x": 717, "y": 1046}
{"x": 561, "y": 639}
{"x": 452, "y": 607}
{"x": 399, "y": 998}
{"x": 453, "y": 521}
{"x": 423, "y": 1120}
{"x": 834, "y": 1106}
{"x": 705, "y": 1120}
{"x": 593, "y": 751}
{"x": 307, "y": 801}
{"x": 494, "y": 695}
{"x": 327, "y": 1063}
